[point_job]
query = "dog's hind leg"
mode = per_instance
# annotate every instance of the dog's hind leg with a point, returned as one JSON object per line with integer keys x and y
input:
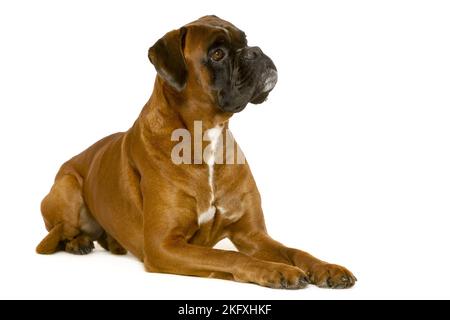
{"x": 52, "y": 241}
{"x": 61, "y": 210}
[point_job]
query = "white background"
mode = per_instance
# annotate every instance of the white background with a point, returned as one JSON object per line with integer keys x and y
{"x": 351, "y": 152}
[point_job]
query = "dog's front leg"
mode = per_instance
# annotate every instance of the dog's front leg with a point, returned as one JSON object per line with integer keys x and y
{"x": 250, "y": 237}
{"x": 167, "y": 250}
{"x": 179, "y": 257}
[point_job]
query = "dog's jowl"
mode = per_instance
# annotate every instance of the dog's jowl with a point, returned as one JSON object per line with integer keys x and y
{"x": 127, "y": 192}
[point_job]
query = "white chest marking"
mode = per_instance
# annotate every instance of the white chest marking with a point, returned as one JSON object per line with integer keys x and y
{"x": 206, "y": 216}
{"x": 213, "y": 136}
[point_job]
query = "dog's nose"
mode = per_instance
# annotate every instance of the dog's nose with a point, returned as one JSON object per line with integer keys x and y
{"x": 252, "y": 53}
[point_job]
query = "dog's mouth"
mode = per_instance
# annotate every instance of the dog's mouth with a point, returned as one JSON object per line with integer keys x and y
{"x": 238, "y": 108}
{"x": 266, "y": 84}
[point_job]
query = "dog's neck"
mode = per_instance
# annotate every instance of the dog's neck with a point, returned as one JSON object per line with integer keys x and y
{"x": 180, "y": 110}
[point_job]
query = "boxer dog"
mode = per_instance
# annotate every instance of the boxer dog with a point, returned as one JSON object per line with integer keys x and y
{"x": 126, "y": 192}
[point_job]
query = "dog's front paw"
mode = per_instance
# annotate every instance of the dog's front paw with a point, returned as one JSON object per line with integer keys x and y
{"x": 274, "y": 275}
{"x": 327, "y": 275}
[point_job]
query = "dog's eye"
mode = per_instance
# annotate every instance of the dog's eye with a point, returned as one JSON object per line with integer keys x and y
{"x": 218, "y": 55}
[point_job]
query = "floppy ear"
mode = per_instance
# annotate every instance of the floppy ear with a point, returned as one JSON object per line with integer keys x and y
{"x": 167, "y": 57}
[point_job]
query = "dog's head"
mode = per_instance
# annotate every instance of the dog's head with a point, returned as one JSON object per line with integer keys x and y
{"x": 210, "y": 58}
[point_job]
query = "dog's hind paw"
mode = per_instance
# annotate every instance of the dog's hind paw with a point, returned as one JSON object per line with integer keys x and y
{"x": 80, "y": 245}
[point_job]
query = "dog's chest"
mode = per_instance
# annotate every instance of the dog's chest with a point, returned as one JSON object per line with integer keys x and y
{"x": 219, "y": 207}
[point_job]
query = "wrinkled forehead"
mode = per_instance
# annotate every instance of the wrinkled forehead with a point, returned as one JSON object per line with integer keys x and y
{"x": 205, "y": 32}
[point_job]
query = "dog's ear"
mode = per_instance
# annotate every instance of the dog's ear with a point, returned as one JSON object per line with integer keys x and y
{"x": 168, "y": 58}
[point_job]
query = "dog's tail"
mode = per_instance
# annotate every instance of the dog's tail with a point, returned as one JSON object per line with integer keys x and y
{"x": 52, "y": 242}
